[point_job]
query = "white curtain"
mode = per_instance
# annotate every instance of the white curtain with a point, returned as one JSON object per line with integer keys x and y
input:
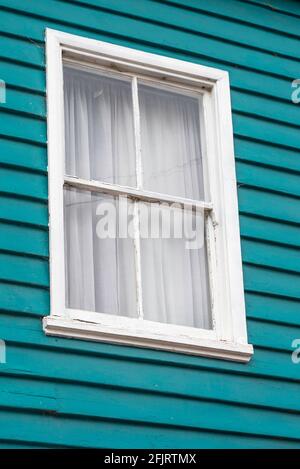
{"x": 175, "y": 290}
{"x": 171, "y": 150}
{"x": 100, "y": 273}
{"x": 99, "y": 128}
{"x": 175, "y": 279}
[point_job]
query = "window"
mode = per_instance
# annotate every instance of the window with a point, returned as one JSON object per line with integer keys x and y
{"x": 144, "y": 234}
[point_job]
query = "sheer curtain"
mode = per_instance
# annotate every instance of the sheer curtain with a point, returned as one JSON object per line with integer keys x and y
{"x": 99, "y": 128}
{"x": 174, "y": 278}
{"x": 171, "y": 151}
{"x": 100, "y": 273}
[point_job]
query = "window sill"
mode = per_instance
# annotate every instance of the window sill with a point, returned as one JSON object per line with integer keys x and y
{"x": 74, "y": 328}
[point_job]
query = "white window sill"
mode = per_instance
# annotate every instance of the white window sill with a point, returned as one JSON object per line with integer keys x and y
{"x": 139, "y": 337}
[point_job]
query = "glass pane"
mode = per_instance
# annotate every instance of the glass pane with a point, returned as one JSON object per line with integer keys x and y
{"x": 170, "y": 134}
{"x": 100, "y": 269}
{"x": 99, "y": 128}
{"x": 174, "y": 266}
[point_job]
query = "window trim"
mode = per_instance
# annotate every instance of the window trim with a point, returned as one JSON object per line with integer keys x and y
{"x": 228, "y": 340}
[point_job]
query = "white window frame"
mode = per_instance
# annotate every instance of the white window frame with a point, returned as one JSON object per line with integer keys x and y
{"x": 228, "y": 338}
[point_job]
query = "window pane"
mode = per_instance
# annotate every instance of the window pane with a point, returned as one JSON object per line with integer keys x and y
{"x": 99, "y": 127}
{"x": 170, "y": 134}
{"x": 100, "y": 273}
{"x": 174, "y": 267}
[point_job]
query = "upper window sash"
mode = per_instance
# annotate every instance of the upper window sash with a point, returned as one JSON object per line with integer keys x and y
{"x": 147, "y": 194}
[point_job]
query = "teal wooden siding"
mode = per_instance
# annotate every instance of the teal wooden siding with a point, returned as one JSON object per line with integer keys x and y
{"x": 62, "y": 392}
